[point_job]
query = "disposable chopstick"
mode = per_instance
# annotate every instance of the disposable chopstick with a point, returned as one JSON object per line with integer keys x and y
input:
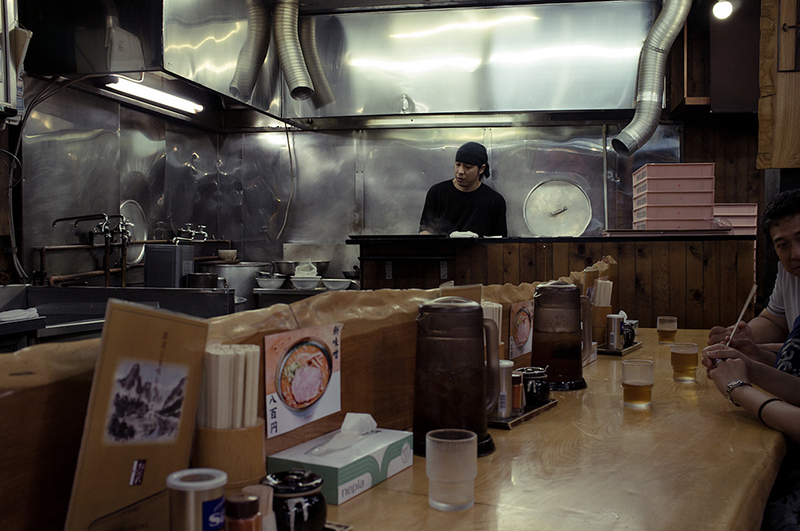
{"x": 251, "y": 386}
{"x": 741, "y": 314}
{"x": 237, "y": 389}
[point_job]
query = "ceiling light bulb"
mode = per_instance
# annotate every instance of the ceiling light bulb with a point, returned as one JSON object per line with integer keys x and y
{"x": 722, "y": 9}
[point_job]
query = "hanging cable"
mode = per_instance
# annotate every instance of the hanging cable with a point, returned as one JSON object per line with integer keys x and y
{"x": 291, "y": 190}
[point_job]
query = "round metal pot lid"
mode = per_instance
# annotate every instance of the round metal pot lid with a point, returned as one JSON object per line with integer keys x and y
{"x": 135, "y": 215}
{"x": 558, "y": 207}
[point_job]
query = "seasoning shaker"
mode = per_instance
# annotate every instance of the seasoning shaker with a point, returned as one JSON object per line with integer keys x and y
{"x": 241, "y": 513}
{"x": 197, "y": 499}
{"x": 504, "y": 398}
{"x": 517, "y": 396}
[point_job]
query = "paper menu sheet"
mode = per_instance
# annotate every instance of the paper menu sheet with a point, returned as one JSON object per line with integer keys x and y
{"x": 141, "y": 413}
{"x": 520, "y": 329}
{"x": 302, "y": 377}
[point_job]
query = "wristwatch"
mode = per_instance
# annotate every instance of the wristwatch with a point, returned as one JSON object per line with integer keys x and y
{"x": 733, "y": 384}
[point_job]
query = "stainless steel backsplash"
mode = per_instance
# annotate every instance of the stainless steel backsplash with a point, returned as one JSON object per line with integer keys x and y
{"x": 84, "y": 155}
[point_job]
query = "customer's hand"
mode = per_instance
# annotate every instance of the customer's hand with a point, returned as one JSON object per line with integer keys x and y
{"x": 715, "y": 355}
{"x": 728, "y": 371}
{"x": 720, "y": 334}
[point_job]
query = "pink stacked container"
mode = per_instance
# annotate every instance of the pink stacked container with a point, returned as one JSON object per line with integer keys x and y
{"x": 676, "y": 196}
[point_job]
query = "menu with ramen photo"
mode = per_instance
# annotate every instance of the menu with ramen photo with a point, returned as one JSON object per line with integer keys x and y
{"x": 302, "y": 379}
{"x": 520, "y": 329}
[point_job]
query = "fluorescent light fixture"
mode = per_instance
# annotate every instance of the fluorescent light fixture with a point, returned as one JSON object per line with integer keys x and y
{"x": 722, "y": 9}
{"x": 156, "y": 96}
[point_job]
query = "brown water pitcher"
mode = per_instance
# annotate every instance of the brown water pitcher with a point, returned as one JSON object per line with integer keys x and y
{"x": 452, "y": 374}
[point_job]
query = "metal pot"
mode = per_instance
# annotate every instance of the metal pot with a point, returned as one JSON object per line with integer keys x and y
{"x": 241, "y": 278}
{"x": 202, "y": 280}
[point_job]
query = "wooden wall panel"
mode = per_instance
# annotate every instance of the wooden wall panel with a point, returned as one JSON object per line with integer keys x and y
{"x": 643, "y": 282}
{"x": 661, "y": 280}
{"x": 527, "y": 263}
{"x": 728, "y": 283}
{"x": 626, "y": 287}
{"x": 694, "y": 286}
{"x": 779, "y": 104}
{"x": 711, "y": 272}
{"x": 561, "y": 260}
{"x": 610, "y": 248}
{"x": 745, "y": 276}
{"x": 677, "y": 279}
{"x": 544, "y": 261}
{"x": 703, "y": 283}
{"x": 511, "y": 273}
{"x": 494, "y": 274}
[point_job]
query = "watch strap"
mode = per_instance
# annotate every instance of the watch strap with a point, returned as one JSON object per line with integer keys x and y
{"x": 733, "y": 384}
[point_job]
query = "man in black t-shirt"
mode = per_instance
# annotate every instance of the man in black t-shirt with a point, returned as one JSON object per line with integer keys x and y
{"x": 463, "y": 203}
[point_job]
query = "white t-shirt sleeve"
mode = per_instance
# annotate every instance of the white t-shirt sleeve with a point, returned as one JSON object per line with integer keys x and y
{"x": 785, "y": 298}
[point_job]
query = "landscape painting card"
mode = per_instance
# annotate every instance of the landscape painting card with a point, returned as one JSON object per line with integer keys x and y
{"x": 302, "y": 379}
{"x": 141, "y": 414}
{"x": 520, "y": 329}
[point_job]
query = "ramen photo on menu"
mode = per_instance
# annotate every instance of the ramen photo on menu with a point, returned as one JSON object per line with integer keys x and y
{"x": 301, "y": 376}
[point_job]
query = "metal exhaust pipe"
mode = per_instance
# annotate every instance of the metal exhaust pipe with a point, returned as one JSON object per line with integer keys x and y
{"x": 290, "y": 55}
{"x": 253, "y": 52}
{"x": 650, "y": 82}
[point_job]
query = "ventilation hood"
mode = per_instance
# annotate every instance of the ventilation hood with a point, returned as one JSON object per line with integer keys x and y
{"x": 386, "y": 62}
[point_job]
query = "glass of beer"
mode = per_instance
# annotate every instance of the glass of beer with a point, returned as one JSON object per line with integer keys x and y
{"x": 667, "y": 327}
{"x": 684, "y": 362}
{"x": 637, "y": 383}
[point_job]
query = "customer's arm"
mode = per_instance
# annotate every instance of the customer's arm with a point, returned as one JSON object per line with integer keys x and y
{"x": 766, "y": 329}
{"x": 779, "y": 415}
{"x": 769, "y": 330}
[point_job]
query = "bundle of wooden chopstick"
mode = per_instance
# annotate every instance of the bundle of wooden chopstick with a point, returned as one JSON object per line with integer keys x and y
{"x": 230, "y": 387}
{"x": 602, "y": 293}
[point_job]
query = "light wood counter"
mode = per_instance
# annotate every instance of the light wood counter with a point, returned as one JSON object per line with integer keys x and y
{"x": 693, "y": 462}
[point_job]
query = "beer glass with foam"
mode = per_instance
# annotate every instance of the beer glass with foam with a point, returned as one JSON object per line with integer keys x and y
{"x": 684, "y": 362}
{"x": 637, "y": 383}
{"x": 667, "y": 328}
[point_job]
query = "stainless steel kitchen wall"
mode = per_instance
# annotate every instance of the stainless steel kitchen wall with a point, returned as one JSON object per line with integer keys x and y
{"x": 85, "y": 155}
{"x": 310, "y": 199}
{"x": 71, "y": 168}
{"x": 543, "y": 57}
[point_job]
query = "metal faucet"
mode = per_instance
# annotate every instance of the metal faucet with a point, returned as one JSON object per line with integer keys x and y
{"x": 189, "y": 234}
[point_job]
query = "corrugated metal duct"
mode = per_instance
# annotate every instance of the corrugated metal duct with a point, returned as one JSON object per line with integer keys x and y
{"x": 254, "y": 50}
{"x": 290, "y": 54}
{"x": 650, "y": 82}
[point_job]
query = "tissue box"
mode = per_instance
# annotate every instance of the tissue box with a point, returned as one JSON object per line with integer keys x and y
{"x": 351, "y": 471}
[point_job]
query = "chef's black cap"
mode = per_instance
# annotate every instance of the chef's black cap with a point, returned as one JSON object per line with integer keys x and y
{"x": 474, "y": 154}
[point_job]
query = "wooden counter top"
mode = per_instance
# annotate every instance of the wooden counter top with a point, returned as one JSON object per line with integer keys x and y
{"x": 693, "y": 462}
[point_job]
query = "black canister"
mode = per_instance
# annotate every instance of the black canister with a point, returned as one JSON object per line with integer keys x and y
{"x": 535, "y": 386}
{"x": 298, "y": 501}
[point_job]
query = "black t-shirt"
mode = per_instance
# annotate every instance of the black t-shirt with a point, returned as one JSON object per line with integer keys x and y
{"x": 448, "y": 209}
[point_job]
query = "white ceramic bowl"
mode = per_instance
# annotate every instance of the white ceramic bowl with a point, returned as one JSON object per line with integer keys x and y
{"x": 227, "y": 254}
{"x": 336, "y": 283}
{"x": 305, "y": 282}
{"x": 270, "y": 283}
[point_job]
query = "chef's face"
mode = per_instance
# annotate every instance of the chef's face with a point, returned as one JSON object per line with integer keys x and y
{"x": 468, "y": 176}
{"x": 786, "y": 239}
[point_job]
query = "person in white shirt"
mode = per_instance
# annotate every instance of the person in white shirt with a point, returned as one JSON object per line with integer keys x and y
{"x": 781, "y": 224}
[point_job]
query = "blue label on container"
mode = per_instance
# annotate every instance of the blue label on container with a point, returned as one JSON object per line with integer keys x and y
{"x": 214, "y": 514}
